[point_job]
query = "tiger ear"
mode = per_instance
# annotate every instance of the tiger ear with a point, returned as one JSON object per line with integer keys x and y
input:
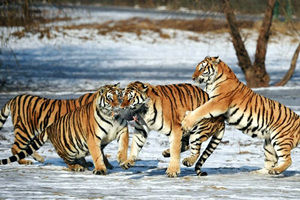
{"x": 101, "y": 90}
{"x": 145, "y": 88}
{"x": 216, "y": 60}
{"x": 117, "y": 85}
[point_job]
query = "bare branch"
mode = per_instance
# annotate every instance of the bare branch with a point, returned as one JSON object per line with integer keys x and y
{"x": 290, "y": 72}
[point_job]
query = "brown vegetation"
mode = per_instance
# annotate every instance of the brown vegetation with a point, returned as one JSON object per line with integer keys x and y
{"x": 137, "y": 25}
{"x": 140, "y": 26}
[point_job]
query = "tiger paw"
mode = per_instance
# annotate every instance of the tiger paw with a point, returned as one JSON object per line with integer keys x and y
{"x": 273, "y": 172}
{"x": 37, "y": 157}
{"x": 121, "y": 157}
{"x": 260, "y": 171}
{"x": 127, "y": 164}
{"x": 187, "y": 122}
{"x": 189, "y": 161}
{"x": 166, "y": 153}
{"x": 173, "y": 172}
{"x": 25, "y": 162}
{"x": 199, "y": 173}
{"x": 100, "y": 172}
{"x": 76, "y": 167}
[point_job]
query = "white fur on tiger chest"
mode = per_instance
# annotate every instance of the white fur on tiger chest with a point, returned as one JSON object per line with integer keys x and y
{"x": 112, "y": 132}
{"x": 249, "y": 125}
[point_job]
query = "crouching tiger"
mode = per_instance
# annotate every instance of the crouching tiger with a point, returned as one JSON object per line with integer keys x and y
{"x": 32, "y": 114}
{"x": 85, "y": 131}
{"x": 249, "y": 112}
{"x": 162, "y": 108}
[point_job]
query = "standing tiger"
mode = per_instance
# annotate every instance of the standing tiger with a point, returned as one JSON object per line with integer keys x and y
{"x": 162, "y": 108}
{"x": 32, "y": 114}
{"x": 249, "y": 112}
{"x": 84, "y": 131}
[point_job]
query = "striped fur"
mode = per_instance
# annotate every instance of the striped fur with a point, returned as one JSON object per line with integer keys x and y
{"x": 249, "y": 112}
{"x": 85, "y": 131}
{"x": 32, "y": 114}
{"x": 164, "y": 109}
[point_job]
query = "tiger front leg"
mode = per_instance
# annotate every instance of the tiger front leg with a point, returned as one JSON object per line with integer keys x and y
{"x": 138, "y": 142}
{"x": 212, "y": 108}
{"x": 175, "y": 146}
{"x": 123, "y": 139}
{"x": 94, "y": 144}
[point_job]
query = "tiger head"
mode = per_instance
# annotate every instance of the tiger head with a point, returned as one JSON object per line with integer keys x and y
{"x": 135, "y": 95}
{"x": 207, "y": 70}
{"x": 108, "y": 98}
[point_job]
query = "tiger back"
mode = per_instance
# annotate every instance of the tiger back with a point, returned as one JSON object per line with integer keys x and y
{"x": 162, "y": 108}
{"x": 84, "y": 131}
{"x": 32, "y": 114}
{"x": 249, "y": 112}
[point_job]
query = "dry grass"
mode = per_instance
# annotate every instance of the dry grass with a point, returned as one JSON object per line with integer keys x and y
{"x": 137, "y": 25}
{"x": 140, "y": 26}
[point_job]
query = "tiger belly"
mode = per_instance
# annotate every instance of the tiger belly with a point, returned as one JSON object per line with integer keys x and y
{"x": 251, "y": 125}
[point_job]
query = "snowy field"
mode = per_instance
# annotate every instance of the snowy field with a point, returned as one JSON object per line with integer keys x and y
{"x": 70, "y": 65}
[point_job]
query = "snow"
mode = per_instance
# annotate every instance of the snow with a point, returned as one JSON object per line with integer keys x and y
{"x": 68, "y": 66}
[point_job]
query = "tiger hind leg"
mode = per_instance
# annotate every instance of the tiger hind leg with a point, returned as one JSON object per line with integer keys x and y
{"x": 199, "y": 134}
{"x": 283, "y": 152}
{"x": 35, "y": 155}
{"x": 271, "y": 158}
{"x": 196, "y": 141}
{"x": 284, "y": 164}
{"x": 213, "y": 144}
{"x": 22, "y": 161}
{"x": 82, "y": 162}
{"x": 21, "y": 141}
{"x": 184, "y": 146}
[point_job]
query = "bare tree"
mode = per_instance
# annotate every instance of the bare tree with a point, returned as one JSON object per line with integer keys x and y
{"x": 255, "y": 73}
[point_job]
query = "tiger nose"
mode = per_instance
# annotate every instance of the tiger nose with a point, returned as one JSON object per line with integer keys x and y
{"x": 120, "y": 99}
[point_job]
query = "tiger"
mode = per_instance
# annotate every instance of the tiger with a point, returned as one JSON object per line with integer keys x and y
{"x": 161, "y": 108}
{"x": 32, "y": 114}
{"x": 83, "y": 131}
{"x": 249, "y": 112}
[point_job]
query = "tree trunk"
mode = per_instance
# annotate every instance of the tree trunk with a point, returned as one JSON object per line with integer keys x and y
{"x": 290, "y": 72}
{"x": 241, "y": 52}
{"x": 256, "y": 74}
{"x": 262, "y": 78}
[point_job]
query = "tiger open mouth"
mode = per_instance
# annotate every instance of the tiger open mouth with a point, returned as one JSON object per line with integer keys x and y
{"x": 124, "y": 113}
{"x": 129, "y": 112}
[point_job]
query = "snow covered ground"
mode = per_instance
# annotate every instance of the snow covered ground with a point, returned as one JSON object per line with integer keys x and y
{"x": 70, "y": 64}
